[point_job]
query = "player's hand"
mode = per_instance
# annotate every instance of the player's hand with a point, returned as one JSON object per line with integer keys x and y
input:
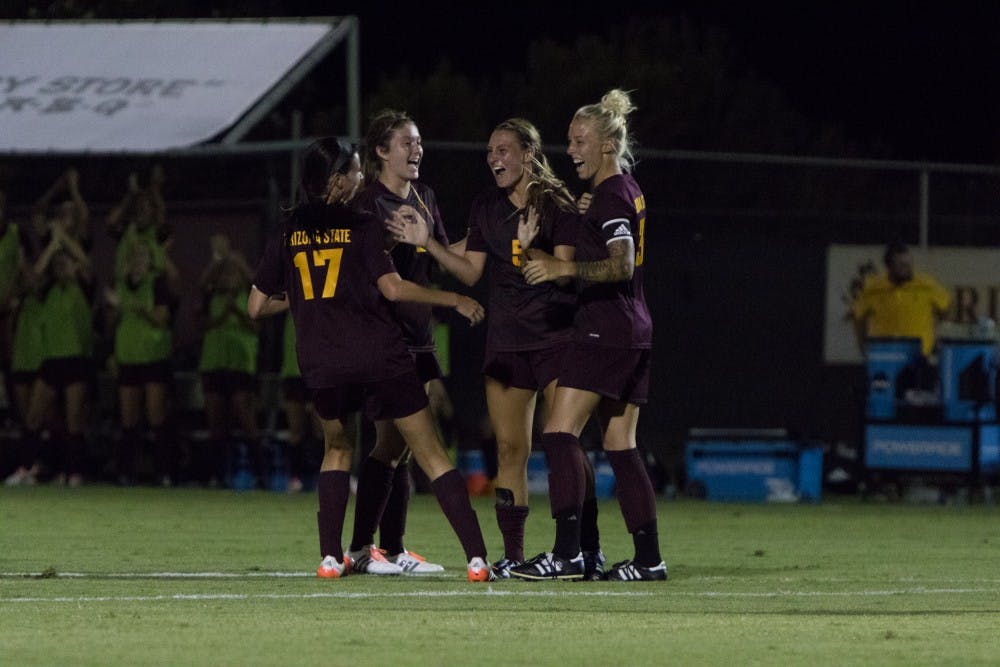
{"x": 407, "y": 226}
{"x": 470, "y": 309}
{"x": 583, "y": 203}
{"x": 542, "y": 267}
{"x": 527, "y": 227}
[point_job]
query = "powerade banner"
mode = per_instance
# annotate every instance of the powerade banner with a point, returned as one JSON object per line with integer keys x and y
{"x": 971, "y": 275}
{"x": 137, "y": 86}
{"x": 900, "y": 447}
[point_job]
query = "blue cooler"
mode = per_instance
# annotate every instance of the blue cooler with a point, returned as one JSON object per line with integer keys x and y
{"x": 968, "y": 380}
{"x": 885, "y": 358}
{"x": 754, "y": 470}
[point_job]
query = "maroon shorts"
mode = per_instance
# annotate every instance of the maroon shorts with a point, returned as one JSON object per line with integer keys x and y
{"x": 64, "y": 371}
{"x": 227, "y": 383}
{"x": 294, "y": 390}
{"x": 396, "y": 397}
{"x": 428, "y": 367}
{"x": 527, "y": 369}
{"x": 619, "y": 374}
{"x": 136, "y": 375}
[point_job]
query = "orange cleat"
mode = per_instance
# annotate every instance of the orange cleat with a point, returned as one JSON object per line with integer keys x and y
{"x": 331, "y": 569}
{"x": 480, "y": 570}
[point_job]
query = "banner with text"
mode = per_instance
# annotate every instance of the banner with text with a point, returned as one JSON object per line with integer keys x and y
{"x": 971, "y": 275}
{"x": 137, "y": 86}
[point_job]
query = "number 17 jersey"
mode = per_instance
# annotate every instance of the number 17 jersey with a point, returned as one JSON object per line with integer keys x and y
{"x": 344, "y": 330}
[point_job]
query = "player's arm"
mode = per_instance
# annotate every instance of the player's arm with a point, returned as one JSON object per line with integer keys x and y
{"x": 261, "y": 305}
{"x": 394, "y": 288}
{"x": 619, "y": 265}
{"x": 408, "y": 226}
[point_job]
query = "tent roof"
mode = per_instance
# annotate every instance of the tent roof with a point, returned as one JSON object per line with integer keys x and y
{"x": 154, "y": 86}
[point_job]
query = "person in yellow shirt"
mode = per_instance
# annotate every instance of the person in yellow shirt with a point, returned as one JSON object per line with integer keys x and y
{"x": 900, "y": 302}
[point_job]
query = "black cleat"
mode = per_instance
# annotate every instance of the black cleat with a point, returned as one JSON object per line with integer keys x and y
{"x": 502, "y": 567}
{"x": 629, "y": 571}
{"x": 548, "y": 566}
{"x": 593, "y": 565}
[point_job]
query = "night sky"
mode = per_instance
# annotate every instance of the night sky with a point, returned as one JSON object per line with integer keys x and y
{"x": 918, "y": 77}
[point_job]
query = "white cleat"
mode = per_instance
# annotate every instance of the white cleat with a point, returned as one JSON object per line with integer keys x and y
{"x": 414, "y": 563}
{"x": 371, "y": 560}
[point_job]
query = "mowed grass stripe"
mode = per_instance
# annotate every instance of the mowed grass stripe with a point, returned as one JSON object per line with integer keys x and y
{"x": 492, "y": 592}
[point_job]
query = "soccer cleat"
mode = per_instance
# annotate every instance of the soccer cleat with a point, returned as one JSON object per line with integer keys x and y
{"x": 414, "y": 563}
{"x": 502, "y": 567}
{"x": 629, "y": 571}
{"x": 331, "y": 569}
{"x": 550, "y": 566}
{"x": 593, "y": 565}
{"x": 371, "y": 560}
{"x": 479, "y": 570}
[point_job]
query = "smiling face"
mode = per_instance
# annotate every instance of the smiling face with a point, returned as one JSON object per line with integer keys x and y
{"x": 588, "y": 150}
{"x": 401, "y": 159}
{"x": 507, "y": 159}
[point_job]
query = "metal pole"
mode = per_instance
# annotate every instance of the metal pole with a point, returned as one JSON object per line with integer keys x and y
{"x": 294, "y": 171}
{"x": 354, "y": 79}
{"x": 925, "y": 187}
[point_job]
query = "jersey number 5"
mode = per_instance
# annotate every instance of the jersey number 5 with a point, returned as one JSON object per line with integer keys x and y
{"x": 640, "y": 209}
{"x": 329, "y": 257}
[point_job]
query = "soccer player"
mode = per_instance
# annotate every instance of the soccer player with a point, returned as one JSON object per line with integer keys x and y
{"x": 529, "y": 325}
{"x": 391, "y": 168}
{"x": 228, "y": 360}
{"x": 607, "y": 365}
{"x": 143, "y": 346}
{"x": 68, "y": 344}
{"x": 331, "y": 265}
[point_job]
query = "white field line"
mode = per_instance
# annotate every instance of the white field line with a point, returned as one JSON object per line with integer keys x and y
{"x": 488, "y": 592}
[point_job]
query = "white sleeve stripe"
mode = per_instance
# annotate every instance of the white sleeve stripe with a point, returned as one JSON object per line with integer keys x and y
{"x": 618, "y": 238}
{"x": 616, "y": 221}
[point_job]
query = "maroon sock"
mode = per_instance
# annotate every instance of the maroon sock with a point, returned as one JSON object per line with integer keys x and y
{"x": 635, "y": 491}
{"x": 511, "y": 520}
{"x": 333, "y": 489}
{"x": 567, "y": 479}
{"x": 374, "y": 485}
{"x": 590, "y": 535}
{"x": 393, "y": 524}
{"x": 453, "y": 496}
{"x": 567, "y": 488}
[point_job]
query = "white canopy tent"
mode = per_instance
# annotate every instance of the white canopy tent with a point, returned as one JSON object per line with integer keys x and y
{"x": 140, "y": 87}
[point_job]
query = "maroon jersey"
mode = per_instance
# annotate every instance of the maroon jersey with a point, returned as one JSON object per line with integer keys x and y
{"x": 344, "y": 330}
{"x": 521, "y": 316}
{"x": 613, "y": 314}
{"x": 414, "y": 264}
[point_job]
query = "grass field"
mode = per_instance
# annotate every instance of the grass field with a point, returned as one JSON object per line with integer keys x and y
{"x": 108, "y": 576}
